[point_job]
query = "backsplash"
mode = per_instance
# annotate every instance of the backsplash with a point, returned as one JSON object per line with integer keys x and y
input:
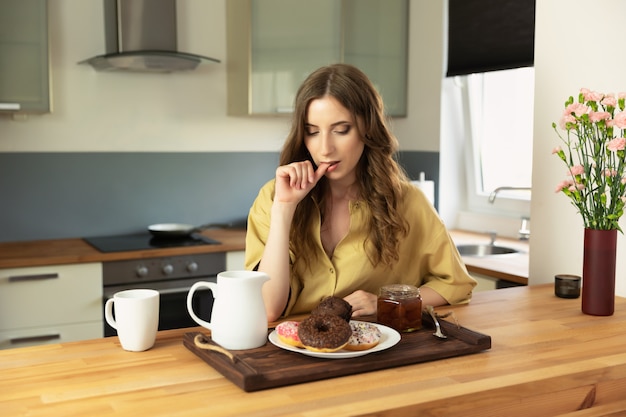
{"x": 65, "y": 195}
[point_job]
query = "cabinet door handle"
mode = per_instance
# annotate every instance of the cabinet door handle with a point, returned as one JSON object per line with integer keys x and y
{"x": 36, "y": 277}
{"x": 10, "y": 106}
{"x": 30, "y": 339}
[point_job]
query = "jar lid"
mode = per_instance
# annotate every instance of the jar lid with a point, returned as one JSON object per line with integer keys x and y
{"x": 399, "y": 291}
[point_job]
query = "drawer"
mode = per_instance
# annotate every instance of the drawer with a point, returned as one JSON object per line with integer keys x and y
{"x": 50, "y": 334}
{"x": 50, "y": 295}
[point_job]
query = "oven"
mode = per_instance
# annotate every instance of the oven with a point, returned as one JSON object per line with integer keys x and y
{"x": 172, "y": 277}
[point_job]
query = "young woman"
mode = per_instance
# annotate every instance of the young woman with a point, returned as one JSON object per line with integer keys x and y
{"x": 340, "y": 217}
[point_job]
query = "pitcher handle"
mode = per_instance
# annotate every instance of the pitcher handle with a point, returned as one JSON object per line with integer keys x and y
{"x": 200, "y": 284}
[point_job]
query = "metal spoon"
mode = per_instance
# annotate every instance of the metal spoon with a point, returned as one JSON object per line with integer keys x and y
{"x": 438, "y": 333}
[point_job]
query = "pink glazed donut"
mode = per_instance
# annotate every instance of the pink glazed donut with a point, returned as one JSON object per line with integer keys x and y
{"x": 287, "y": 332}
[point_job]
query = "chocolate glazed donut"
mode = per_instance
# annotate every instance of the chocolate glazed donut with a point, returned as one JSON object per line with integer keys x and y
{"x": 336, "y": 306}
{"x": 324, "y": 332}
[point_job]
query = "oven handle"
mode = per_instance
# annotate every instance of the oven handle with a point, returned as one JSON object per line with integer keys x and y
{"x": 162, "y": 291}
{"x": 174, "y": 290}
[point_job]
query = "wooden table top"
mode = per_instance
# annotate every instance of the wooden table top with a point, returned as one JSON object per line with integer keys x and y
{"x": 546, "y": 358}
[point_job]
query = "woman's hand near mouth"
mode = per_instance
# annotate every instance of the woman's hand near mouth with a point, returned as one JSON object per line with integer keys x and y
{"x": 294, "y": 181}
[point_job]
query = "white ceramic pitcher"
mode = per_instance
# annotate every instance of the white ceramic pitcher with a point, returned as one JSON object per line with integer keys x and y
{"x": 238, "y": 319}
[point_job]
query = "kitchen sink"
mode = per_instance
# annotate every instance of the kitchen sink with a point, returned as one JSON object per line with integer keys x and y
{"x": 484, "y": 250}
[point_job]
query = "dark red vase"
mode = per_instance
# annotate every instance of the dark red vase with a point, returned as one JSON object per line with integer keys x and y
{"x": 599, "y": 272}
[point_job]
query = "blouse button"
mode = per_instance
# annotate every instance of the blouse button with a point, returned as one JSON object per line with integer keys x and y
{"x": 332, "y": 271}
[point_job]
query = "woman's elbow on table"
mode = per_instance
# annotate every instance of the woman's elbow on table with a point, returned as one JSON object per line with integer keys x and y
{"x": 274, "y": 310}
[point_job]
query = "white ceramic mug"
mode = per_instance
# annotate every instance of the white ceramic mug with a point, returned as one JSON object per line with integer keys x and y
{"x": 136, "y": 318}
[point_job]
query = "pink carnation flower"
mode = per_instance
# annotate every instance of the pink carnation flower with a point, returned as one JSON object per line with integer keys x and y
{"x": 576, "y": 170}
{"x": 576, "y": 187}
{"x": 609, "y": 100}
{"x": 596, "y": 116}
{"x": 620, "y": 120}
{"x": 577, "y": 108}
{"x": 567, "y": 118}
{"x": 617, "y": 144}
{"x": 556, "y": 149}
{"x": 562, "y": 185}
{"x": 589, "y": 95}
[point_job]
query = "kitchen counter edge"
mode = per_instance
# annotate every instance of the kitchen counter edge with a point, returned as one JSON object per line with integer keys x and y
{"x": 512, "y": 268}
{"x": 76, "y": 250}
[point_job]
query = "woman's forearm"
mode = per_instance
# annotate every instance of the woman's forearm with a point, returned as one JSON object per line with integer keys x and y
{"x": 431, "y": 297}
{"x": 275, "y": 260}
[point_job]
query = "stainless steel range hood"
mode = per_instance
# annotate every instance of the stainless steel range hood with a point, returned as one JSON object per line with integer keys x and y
{"x": 141, "y": 36}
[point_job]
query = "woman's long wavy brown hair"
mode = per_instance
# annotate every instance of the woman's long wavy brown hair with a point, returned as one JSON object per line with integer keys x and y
{"x": 379, "y": 176}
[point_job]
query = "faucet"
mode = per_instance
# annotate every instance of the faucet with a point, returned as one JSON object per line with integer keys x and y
{"x": 524, "y": 231}
{"x": 494, "y": 193}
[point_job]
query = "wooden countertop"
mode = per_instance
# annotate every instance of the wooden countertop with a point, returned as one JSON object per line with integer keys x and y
{"x": 72, "y": 251}
{"x": 511, "y": 267}
{"x": 547, "y": 358}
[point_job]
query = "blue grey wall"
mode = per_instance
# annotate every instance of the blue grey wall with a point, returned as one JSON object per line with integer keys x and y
{"x": 64, "y": 195}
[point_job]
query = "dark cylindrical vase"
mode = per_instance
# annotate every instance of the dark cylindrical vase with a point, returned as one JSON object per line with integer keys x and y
{"x": 598, "y": 294}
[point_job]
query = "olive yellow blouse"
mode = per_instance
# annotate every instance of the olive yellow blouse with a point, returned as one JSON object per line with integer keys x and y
{"x": 428, "y": 255}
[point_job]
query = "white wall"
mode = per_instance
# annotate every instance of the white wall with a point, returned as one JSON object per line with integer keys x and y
{"x": 577, "y": 44}
{"x": 96, "y": 112}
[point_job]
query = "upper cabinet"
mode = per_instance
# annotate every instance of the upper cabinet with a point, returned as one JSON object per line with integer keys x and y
{"x": 24, "y": 72}
{"x": 273, "y": 45}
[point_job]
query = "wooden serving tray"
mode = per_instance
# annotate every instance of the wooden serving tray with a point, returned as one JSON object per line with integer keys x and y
{"x": 269, "y": 366}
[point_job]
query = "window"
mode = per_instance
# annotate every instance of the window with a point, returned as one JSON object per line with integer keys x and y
{"x": 500, "y": 107}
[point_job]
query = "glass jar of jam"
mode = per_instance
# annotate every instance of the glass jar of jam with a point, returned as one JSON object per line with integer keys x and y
{"x": 400, "y": 307}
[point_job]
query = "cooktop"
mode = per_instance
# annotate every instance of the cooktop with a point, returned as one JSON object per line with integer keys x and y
{"x": 142, "y": 241}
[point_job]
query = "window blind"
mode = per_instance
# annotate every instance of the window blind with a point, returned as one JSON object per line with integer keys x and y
{"x": 490, "y": 35}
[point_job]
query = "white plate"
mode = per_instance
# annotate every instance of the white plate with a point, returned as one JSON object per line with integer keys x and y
{"x": 388, "y": 339}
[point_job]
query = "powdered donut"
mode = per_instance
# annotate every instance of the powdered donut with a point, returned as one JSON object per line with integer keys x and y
{"x": 287, "y": 332}
{"x": 324, "y": 333}
{"x": 364, "y": 336}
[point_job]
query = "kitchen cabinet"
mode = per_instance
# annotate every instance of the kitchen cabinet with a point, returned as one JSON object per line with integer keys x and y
{"x": 50, "y": 304}
{"x": 488, "y": 282}
{"x": 273, "y": 45}
{"x": 235, "y": 260}
{"x": 485, "y": 282}
{"x": 24, "y": 66}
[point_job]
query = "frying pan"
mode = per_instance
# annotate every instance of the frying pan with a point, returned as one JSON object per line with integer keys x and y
{"x": 179, "y": 230}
